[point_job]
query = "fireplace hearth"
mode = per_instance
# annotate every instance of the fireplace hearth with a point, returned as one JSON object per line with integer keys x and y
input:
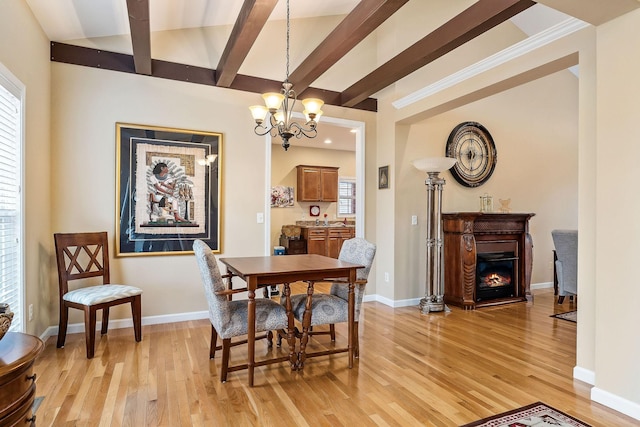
{"x": 487, "y": 258}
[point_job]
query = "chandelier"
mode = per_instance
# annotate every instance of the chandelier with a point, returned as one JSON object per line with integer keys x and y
{"x": 279, "y": 107}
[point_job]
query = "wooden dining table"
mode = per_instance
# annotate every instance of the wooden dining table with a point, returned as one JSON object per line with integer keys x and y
{"x": 259, "y": 272}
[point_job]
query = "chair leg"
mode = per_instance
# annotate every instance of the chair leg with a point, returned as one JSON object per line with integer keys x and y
{"x": 332, "y": 331}
{"x": 105, "y": 321}
{"x": 357, "y": 341}
{"x": 214, "y": 341}
{"x": 62, "y": 325}
{"x": 90, "y": 330}
{"x": 226, "y": 346}
{"x": 561, "y": 299}
{"x": 270, "y": 339}
{"x": 136, "y": 313}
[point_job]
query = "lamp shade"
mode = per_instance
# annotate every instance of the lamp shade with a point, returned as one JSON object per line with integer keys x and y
{"x": 434, "y": 164}
{"x": 273, "y": 100}
{"x": 259, "y": 112}
{"x": 312, "y": 105}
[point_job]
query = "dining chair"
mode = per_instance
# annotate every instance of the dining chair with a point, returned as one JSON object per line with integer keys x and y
{"x": 333, "y": 307}
{"x": 229, "y": 318}
{"x": 566, "y": 245}
{"x": 82, "y": 256}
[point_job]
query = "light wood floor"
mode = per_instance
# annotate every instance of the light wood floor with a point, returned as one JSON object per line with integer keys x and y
{"x": 435, "y": 370}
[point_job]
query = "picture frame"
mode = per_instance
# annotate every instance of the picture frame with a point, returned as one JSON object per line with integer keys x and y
{"x": 383, "y": 177}
{"x": 168, "y": 190}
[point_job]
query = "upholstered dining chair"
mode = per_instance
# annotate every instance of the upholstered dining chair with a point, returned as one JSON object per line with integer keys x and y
{"x": 333, "y": 307}
{"x": 566, "y": 244}
{"x": 229, "y": 318}
{"x": 82, "y": 256}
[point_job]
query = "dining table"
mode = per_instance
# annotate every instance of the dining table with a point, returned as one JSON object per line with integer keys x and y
{"x": 261, "y": 271}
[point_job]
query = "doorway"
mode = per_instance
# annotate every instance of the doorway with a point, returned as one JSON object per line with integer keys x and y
{"x": 355, "y": 131}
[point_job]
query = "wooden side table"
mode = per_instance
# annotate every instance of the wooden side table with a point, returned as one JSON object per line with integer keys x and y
{"x": 17, "y": 381}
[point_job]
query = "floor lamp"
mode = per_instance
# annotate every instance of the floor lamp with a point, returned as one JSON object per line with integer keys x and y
{"x": 434, "y": 296}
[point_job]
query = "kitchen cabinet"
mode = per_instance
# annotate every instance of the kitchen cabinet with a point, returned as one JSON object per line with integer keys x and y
{"x": 326, "y": 241}
{"x": 317, "y": 183}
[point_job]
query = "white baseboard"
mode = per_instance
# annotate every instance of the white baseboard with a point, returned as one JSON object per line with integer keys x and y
{"x": 584, "y": 375}
{"x": 616, "y": 403}
{"x": 77, "y": 328}
{"x": 542, "y": 285}
{"x": 391, "y": 303}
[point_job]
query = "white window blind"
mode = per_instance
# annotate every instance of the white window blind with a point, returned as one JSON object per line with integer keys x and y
{"x": 346, "y": 197}
{"x": 11, "y": 290}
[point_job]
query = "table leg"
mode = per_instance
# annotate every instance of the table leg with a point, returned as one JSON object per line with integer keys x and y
{"x": 291, "y": 338}
{"x": 306, "y": 324}
{"x": 351, "y": 322}
{"x": 251, "y": 333}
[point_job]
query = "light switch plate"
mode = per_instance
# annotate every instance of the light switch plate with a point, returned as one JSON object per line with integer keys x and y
{"x": 260, "y": 218}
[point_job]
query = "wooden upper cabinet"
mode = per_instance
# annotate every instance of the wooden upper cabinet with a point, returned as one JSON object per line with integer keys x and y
{"x": 317, "y": 184}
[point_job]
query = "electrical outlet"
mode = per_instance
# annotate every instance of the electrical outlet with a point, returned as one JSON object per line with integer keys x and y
{"x": 30, "y": 312}
{"x": 260, "y": 218}
{"x": 386, "y": 276}
{"x": 414, "y": 219}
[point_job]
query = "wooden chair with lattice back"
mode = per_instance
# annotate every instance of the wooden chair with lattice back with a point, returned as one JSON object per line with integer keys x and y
{"x": 83, "y": 256}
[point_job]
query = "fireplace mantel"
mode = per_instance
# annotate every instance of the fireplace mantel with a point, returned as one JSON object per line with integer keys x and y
{"x": 466, "y": 234}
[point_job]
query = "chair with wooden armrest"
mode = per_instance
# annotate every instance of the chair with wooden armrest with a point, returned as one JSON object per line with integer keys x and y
{"x": 229, "y": 318}
{"x": 333, "y": 307}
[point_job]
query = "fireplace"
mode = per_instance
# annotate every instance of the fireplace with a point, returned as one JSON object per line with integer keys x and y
{"x": 487, "y": 258}
{"x": 495, "y": 275}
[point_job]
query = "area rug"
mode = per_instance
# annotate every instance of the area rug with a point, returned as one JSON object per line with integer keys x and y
{"x": 571, "y": 316}
{"x": 537, "y": 414}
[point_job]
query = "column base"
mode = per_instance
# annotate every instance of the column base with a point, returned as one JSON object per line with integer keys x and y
{"x": 433, "y": 303}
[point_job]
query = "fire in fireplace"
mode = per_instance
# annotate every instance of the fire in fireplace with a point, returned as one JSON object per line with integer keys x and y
{"x": 495, "y": 275}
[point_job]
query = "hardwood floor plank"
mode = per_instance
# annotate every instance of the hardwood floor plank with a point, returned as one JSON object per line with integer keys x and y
{"x": 441, "y": 369}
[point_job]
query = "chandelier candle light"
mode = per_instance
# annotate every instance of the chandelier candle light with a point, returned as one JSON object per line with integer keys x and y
{"x": 279, "y": 106}
{"x": 434, "y": 295}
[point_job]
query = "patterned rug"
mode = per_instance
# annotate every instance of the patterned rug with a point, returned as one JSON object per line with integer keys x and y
{"x": 571, "y": 316}
{"x": 537, "y": 414}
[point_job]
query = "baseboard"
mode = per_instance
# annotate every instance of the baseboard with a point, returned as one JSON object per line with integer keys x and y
{"x": 584, "y": 375}
{"x": 542, "y": 285}
{"x": 616, "y": 403}
{"x": 77, "y": 328}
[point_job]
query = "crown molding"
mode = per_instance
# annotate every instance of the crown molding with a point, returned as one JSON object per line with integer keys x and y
{"x": 530, "y": 44}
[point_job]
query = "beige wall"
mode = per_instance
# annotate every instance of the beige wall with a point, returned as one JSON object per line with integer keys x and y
{"x": 617, "y": 348}
{"x": 20, "y": 34}
{"x": 283, "y": 172}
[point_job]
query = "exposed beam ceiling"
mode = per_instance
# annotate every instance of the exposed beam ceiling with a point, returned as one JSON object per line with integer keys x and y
{"x": 360, "y": 20}
{"x": 251, "y": 20}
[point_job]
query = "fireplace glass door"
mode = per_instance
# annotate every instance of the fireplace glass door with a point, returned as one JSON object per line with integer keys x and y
{"x": 495, "y": 275}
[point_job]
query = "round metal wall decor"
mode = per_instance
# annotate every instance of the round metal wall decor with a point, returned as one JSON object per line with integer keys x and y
{"x": 472, "y": 145}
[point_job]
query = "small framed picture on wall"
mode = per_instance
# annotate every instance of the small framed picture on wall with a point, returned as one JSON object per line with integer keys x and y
{"x": 383, "y": 177}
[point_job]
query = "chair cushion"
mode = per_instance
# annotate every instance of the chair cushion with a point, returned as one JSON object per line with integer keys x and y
{"x": 325, "y": 308}
{"x": 270, "y": 316}
{"x": 93, "y": 295}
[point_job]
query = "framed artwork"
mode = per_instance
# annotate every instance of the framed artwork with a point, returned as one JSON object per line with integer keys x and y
{"x": 281, "y": 196}
{"x": 168, "y": 190}
{"x": 383, "y": 177}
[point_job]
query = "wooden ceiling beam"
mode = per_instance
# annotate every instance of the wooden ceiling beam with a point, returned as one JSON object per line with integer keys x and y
{"x": 361, "y": 22}
{"x": 140, "y": 35}
{"x": 113, "y": 61}
{"x": 252, "y": 18}
{"x": 478, "y": 18}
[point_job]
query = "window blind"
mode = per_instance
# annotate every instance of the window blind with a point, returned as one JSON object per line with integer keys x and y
{"x": 346, "y": 197}
{"x": 10, "y": 202}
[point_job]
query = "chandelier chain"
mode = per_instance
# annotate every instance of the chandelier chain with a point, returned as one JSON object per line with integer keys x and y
{"x": 287, "y": 79}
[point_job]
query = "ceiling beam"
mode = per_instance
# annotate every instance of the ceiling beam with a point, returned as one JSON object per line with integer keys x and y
{"x": 362, "y": 20}
{"x": 140, "y": 35}
{"x": 252, "y": 18}
{"x": 113, "y": 61}
{"x": 480, "y": 17}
